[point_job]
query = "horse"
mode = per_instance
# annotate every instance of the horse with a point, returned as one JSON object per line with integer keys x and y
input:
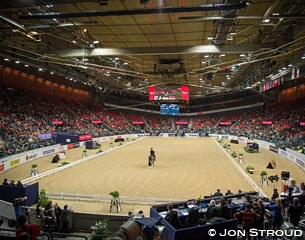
{"x": 151, "y": 160}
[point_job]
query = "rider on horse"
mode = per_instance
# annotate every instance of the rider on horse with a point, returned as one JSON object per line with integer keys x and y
{"x": 152, "y": 152}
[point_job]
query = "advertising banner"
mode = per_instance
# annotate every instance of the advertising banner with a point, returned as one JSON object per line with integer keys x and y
{"x": 14, "y": 162}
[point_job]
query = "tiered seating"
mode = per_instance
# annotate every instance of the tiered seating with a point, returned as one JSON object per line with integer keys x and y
{"x": 25, "y": 115}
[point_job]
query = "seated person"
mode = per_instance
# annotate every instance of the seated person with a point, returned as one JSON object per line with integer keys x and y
{"x": 5, "y": 182}
{"x": 293, "y": 188}
{"x": 193, "y": 219}
{"x": 213, "y": 210}
{"x": 218, "y": 193}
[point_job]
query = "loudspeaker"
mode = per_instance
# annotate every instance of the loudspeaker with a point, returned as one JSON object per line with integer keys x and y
{"x": 55, "y": 159}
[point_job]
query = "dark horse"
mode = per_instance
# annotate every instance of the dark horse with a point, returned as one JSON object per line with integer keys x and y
{"x": 151, "y": 160}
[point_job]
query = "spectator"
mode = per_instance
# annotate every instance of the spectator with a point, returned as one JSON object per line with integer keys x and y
{"x": 19, "y": 184}
{"x": 32, "y": 229}
{"x": 12, "y": 183}
{"x": 224, "y": 210}
{"x": 5, "y": 182}
{"x": 275, "y": 194}
{"x": 218, "y": 193}
{"x": 169, "y": 214}
{"x": 248, "y": 218}
{"x": 213, "y": 210}
{"x": 175, "y": 222}
{"x": 58, "y": 216}
{"x": 228, "y": 193}
{"x": 295, "y": 211}
{"x": 66, "y": 218}
{"x": 18, "y": 205}
{"x": 276, "y": 209}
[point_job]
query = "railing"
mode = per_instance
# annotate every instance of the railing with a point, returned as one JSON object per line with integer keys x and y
{"x": 64, "y": 235}
{"x": 106, "y": 198}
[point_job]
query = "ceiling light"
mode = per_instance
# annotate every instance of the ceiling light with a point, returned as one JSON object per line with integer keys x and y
{"x": 284, "y": 68}
{"x": 203, "y": 62}
{"x": 33, "y": 33}
{"x": 275, "y": 14}
{"x": 95, "y": 42}
{"x": 74, "y": 41}
{"x": 26, "y": 65}
{"x": 222, "y": 55}
{"x": 85, "y": 30}
{"x": 210, "y": 38}
{"x": 17, "y": 61}
{"x": 267, "y": 20}
{"x": 6, "y": 59}
{"x": 49, "y": 6}
{"x": 40, "y": 69}
{"x": 206, "y": 56}
{"x": 116, "y": 58}
{"x": 125, "y": 63}
{"x": 51, "y": 73}
{"x": 289, "y": 65}
{"x": 303, "y": 57}
{"x": 242, "y": 55}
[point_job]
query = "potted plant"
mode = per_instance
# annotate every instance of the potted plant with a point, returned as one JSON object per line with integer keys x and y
{"x": 263, "y": 174}
{"x": 34, "y": 170}
{"x": 99, "y": 230}
{"x": 250, "y": 169}
{"x": 43, "y": 198}
{"x": 115, "y": 201}
{"x": 264, "y": 179}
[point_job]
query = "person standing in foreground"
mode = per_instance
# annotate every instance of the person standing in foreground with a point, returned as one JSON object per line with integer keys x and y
{"x": 32, "y": 229}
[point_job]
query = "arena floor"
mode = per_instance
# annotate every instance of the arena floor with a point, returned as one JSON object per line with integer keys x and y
{"x": 186, "y": 168}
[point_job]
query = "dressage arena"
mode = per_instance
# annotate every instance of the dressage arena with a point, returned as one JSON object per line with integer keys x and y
{"x": 186, "y": 168}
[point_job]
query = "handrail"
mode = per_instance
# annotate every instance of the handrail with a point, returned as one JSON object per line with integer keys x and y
{"x": 55, "y": 234}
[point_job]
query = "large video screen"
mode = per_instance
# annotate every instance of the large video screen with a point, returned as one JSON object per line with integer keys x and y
{"x": 169, "y": 109}
{"x": 168, "y": 93}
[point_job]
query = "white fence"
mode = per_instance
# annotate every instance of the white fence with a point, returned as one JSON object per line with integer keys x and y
{"x": 107, "y": 198}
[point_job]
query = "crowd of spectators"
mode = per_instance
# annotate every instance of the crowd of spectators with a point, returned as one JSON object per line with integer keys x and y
{"x": 251, "y": 212}
{"x": 26, "y": 115}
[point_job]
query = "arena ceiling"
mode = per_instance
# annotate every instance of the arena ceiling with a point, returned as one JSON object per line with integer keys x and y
{"x": 128, "y": 45}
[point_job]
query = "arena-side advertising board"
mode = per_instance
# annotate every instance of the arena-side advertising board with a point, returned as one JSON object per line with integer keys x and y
{"x": 17, "y": 159}
{"x": 294, "y": 156}
{"x": 192, "y": 135}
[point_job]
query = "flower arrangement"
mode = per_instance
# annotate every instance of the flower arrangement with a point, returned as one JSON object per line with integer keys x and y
{"x": 99, "y": 230}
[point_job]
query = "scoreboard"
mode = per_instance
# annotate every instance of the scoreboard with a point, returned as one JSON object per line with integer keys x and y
{"x": 169, "y": 109}
{"x": 169, "y": 93}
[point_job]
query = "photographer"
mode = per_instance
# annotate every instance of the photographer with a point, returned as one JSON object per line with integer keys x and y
{"x": 18, "y": 202}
